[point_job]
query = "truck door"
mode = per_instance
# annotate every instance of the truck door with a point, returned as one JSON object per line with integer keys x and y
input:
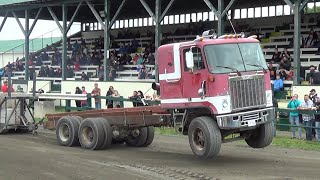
{"x": 192, "y": 79}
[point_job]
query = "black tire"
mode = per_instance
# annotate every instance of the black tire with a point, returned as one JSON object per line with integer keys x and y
{"x": 262, "y": 136}
{"x": 78, "y": 118}
{"x": 140, "y": 140}
{"x": 91, "y": 134}
{"x": 204, "y": 137}
{"x": 107, "y": 133}
{"x": 67, "y": 131}
{"x": 150, "y": 136}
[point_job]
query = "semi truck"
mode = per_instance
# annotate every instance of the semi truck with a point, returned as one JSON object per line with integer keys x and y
{"x": 212, "y": 89}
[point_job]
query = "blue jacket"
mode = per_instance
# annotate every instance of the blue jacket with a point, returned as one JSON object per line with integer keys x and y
{"x": 293, "y": 104}
{"x": 278, "y": 84}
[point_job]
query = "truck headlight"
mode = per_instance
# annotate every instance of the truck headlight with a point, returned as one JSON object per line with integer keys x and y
{"x": 269, "y": 98}
{"x": 225, "y": 104}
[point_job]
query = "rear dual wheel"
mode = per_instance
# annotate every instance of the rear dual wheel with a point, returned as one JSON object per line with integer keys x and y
{"x": 95, "y": 134}
{"x": 67, "y": 130}
{"x": 141, "y": 137}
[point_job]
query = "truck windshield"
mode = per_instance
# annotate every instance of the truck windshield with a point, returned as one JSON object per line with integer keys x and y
{"x": 239, "y": 56}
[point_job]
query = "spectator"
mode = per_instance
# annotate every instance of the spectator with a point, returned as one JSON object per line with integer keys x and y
{"x": 286, "y": 54}
{"x": 313, "y": 96}
{"x": 308, "y": 119}
{"x": 282, "y": 74}
{"x": 69, "y": 72}
{"x": 285, "y": 63}
{"x": 134, "y": 98}
{"x": 116, "y": 95}
{"x": 100, "y": 73}
{"x": 278, "y": 84}
{"x": 290, "y": 75}
{"x": 84, "y": 102}
{"x": 96, "y": 92}
{"x": 276, "y": 57}
{"x": 109, "y": 103}
{"x": 78, "y": 91}
{"x": 312, "y": 69}
{"x": 5, "y": 88}
{"x": 273, "y": 72}
{"x": 294, "y": 117}
{"x": 317, "y": 122}
{"x": 140, "y": 98}
{"x": 84, "y": 77}
{"x": 311, "y": 40}
{"x": 143, "y": 73}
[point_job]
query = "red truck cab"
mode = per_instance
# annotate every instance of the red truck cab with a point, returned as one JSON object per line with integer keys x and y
{"x": 225, "y": 78}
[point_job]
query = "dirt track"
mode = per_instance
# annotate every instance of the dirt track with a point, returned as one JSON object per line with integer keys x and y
{"x": 27, "y": 157}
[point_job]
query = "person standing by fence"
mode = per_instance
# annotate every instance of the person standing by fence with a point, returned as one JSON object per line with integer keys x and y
{"x": 294, "y": 116}
{"x": 308, "y": 119}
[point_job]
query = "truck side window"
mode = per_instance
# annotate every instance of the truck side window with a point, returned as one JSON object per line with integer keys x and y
{"x": 197, "y": 57}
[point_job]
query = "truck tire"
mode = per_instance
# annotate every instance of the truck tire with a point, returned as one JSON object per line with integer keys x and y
{"x": 78, "y": 118}
{"x": 107, "y": 133}
{"x": 67, "y": 131}
{"x": 140, "y": 140}
{"x": 91, "y": 134}
{"x": 204, "y": 137}
{"x": 262, "y": 136}
{"x": 150, "y": 136}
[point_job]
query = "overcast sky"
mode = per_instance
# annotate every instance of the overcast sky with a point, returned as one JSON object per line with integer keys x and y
{"x": 12, "y": 31}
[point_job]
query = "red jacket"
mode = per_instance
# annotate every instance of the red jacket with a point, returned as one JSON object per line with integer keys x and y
{"x": 4, "y": 88}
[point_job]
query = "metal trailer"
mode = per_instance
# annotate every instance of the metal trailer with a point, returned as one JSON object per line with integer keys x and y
{"x": 98, "y": 129}
{"x": 16, "y": 114}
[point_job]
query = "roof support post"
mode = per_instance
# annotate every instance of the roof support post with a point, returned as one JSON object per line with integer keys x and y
{"x": 64, "y": 42}
{"x": 296, "y": 44}
{"x": 289, "y": 3}
{"x": 211, "y": 7}
{"x": 106, "y": 62}
{"x": 4, "y": 21}
{"x": 116, "y": 14}
{"x": 95, "y": 13}
{"x": 35, "y": 21}
{"x": 158, "y": 20}
{"x": 26, "y": 46}
{"x": 54, "y": 17}
{"x": 19, "y": 23}
{"x": 304, "y": 3}
{"x": 73, "y": 16}
{"x": 227, "y": 8}
{"x": 220, "y": 17}
{"x": 146, "y": 6}
{"x": 166, "y": 10}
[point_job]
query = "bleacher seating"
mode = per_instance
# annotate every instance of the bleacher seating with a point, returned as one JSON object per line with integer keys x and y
{"x": 278, "y": 40}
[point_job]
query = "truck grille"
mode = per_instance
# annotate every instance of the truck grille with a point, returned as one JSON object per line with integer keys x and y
{"x": 248, "y": 92}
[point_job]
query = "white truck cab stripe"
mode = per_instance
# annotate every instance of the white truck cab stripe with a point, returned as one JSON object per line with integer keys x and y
{"x": 176, "y": 75}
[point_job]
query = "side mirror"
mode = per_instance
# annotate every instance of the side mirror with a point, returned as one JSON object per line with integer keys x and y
{"x": 189, "y": 59}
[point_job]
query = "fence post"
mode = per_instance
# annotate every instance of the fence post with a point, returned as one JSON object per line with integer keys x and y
{"x": 121, "y": 101}
{"x": 68, "y": 105}
{"x": 89, "y": 100}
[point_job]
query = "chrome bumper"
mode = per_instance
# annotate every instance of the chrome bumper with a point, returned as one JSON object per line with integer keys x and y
{"x": 244, "y": 120}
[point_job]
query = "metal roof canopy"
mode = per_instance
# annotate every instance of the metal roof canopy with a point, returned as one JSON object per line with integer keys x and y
{"x": 74, "y": 10}
{"x": 131, "y": 9}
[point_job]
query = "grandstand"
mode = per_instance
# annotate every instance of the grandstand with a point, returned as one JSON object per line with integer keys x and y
{"x": 273, "y": 21}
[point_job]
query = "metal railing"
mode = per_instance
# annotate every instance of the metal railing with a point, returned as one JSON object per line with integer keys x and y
{"x": 288, "y": 125}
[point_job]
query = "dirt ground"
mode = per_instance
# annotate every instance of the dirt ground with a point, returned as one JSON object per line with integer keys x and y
{"x": 30, "y": 157}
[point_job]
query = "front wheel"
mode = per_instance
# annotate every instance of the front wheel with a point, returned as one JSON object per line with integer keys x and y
{"x": 204, "y": 137}
{"x": 262, "y": 136}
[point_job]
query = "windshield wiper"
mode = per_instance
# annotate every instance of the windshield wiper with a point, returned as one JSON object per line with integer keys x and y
{"x": 233, "y": 69}
{"x": 256, "y": 65}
